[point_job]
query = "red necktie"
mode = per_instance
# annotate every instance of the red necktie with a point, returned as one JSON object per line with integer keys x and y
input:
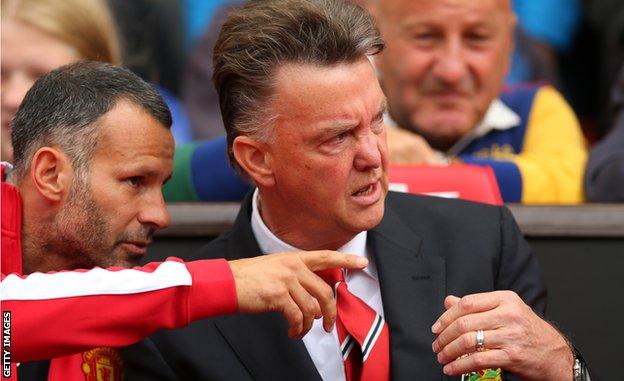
{"x": 363, "y": 334}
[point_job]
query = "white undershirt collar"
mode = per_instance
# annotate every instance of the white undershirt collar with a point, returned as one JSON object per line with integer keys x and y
{"x": 498, "y": 117}
{"x": 323, "y": 347}
{"x": 269, "y": 243}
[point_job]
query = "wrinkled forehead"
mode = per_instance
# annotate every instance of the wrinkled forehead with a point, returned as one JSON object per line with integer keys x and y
{"x": 308, "y": 90}
{"x": 310, "y": 100}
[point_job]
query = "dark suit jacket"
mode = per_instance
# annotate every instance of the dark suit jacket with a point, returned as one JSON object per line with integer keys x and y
{"x": 425, "y": 248}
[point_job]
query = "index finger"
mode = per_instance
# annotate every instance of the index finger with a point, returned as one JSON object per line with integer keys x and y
{"x": 469, "y": 304}
{"x": 327, "y": 259}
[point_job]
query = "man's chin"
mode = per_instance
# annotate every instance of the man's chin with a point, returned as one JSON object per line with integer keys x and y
{"x": 371, "y": 218}
{"x": 443, "y": 133}
{"x": 124, "y": 258}
{"x": 128, "y": 262}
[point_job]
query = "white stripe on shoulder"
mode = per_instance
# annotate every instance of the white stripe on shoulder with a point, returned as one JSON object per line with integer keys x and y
{"x": 97, "y": 281}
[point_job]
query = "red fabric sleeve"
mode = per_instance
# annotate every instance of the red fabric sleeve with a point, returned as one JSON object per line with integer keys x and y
{"x": 52, "y": 327}
{"x": 213, "y": 292}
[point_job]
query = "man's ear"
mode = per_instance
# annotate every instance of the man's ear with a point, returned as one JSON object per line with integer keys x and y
{"x": 255, "y": 159}
{"x": 51, "y": 173}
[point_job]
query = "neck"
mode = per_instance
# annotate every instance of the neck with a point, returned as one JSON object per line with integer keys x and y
{"x": 37, "y": 223}
{"x": 34, "y": 257}
{"x": 297, "y": 234}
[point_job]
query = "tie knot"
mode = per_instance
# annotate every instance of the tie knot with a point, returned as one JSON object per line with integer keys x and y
{"x": 331, "y": 276}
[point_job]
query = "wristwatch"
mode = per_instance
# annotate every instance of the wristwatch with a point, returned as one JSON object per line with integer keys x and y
{"x": 579, "y": 369}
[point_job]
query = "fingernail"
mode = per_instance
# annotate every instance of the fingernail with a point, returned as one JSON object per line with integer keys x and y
{"x": 447, "y": 370}
{"x": 436, "y": 327}
{"x": 435, "y": 346}
{"x": 361, "y": 261}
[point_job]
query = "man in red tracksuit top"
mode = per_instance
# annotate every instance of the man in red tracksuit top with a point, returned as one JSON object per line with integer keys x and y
{"x": 92, "y": 150}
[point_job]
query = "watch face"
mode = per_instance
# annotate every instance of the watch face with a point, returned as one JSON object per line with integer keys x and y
{"x": 577, "y": 370}
{"x": 580, "y": 371}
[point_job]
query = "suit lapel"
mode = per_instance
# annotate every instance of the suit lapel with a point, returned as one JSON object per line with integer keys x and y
{"x": 281, "y": 358}
{"x": 413, "y": 287}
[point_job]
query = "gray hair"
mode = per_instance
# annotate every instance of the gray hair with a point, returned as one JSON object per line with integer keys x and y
{"x": 258, "y": 39}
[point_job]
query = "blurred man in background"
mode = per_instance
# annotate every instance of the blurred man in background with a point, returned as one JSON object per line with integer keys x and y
{"x": 443, "y": 72}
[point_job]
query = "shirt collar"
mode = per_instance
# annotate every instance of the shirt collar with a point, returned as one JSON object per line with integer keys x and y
{"x": 269, "y": 243}
{"x": 497, "y": 117}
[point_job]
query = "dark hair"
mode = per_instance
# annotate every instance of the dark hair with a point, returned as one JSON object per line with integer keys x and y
{"x": 61, "y": 107}
{"x": 257, "y": 39}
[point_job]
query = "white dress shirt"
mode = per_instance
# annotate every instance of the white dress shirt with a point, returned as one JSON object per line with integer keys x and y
{"x": 323, "y": 347}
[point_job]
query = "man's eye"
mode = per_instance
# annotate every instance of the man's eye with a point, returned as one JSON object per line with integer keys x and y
{"x": 424, "y": 37}
{"x": 477, "y": 37}
{"x": 338, "y": 139}
{"x": 135, "y": 181}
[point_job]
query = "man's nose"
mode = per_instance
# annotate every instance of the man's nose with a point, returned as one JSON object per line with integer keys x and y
{"x": 450, "y": 65}
{"x": 154, "y": 211}
{"x": 368, "y": 155}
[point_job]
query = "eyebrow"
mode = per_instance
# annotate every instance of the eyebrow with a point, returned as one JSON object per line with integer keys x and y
{"x": 146, "y": 171}
{"x": 341, "y": 126}
{"x": 383, "y": 108}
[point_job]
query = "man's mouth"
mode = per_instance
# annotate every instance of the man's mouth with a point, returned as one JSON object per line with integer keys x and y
{"x": 365, "y": 191}
{"x": 368, "y": 194}
{"x": 137, "y": 248}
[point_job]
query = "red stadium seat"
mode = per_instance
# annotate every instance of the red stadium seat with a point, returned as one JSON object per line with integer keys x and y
{"x": 468, "y": 182}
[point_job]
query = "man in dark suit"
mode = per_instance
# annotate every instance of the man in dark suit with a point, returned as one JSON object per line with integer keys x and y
{"x": 304, "y": 115}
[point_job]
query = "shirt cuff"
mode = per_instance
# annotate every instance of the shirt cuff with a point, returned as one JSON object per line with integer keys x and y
{"x": 213, "y": 291}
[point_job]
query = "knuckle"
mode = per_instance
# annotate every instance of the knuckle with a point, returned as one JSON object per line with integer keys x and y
{"x": 288, "y": 277}
{"x": 513, "y": 355}
{"x": 296, "y": 317}
{"x": 309, "y": 307}
{"x": 325, "y": 255}
{"x": 444, "y": 321}
{"x": 452, "y": 367}
{"x": 506, "y": 314}
{"x": 444, "y": 356}
{"x": 515, "y": 317}
{"x": 291, "y": 263}
{"x": 290, "y": 313}
{"x": 527, "y": 309}
{"x": 512, "y": 297}
{"x": 466, "y": 303}
{"x": 268, "y": 294}
{"x": 279, "y": 292}
{"x": 327, "y": 300}
{"x": 467, "y": 341}
{"x": 326, "y": 294}
{"x": 515, "y": 334}
{"x": 463, "y": 324}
